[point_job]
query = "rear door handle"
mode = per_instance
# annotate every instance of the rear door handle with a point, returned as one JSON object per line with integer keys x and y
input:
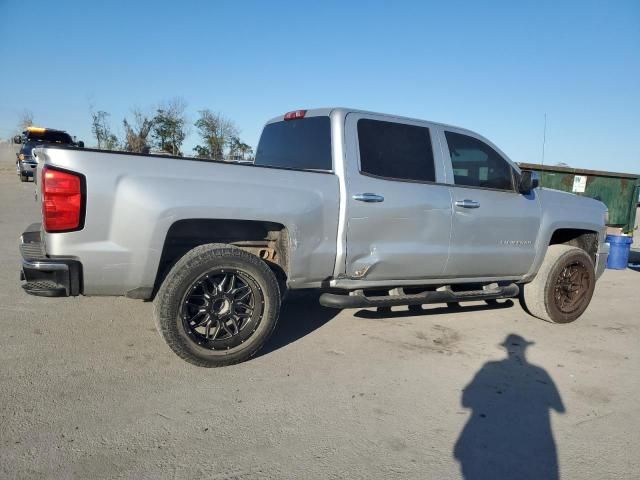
{"x": 466, "y": 203}
{"x": 368, "y": 197}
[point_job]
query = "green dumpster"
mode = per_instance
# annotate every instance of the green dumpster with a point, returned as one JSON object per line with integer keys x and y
{"x": 618, "y": 191}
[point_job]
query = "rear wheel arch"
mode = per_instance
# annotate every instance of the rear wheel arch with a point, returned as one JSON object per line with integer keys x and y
{"x": 268, "y": 241}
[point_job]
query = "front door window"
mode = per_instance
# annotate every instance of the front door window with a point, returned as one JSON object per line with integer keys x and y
{"x": 476, "y": 164}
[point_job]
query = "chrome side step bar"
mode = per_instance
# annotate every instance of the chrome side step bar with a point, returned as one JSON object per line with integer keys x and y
{"x": 358, "y": 299}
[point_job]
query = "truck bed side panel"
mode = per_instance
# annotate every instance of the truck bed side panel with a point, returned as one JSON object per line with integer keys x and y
{"x": 132, "y": 201}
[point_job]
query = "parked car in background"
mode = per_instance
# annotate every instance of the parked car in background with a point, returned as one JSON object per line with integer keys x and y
{"x": 374, "y": 210}
{"x": 34, "y": 137}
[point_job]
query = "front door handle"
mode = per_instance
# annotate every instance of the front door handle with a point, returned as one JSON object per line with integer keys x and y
{"x": 368, "y": 197}
{"x": 466, "y": 203}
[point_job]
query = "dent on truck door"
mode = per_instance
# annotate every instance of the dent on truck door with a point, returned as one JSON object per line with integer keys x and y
{"x": 398, "y": 221}
{"x": 494, "y": 226}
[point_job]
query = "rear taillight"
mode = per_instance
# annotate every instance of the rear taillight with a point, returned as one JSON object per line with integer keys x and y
{"x": 62, "y": 200}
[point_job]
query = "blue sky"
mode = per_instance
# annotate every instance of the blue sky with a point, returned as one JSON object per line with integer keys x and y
{"x": 493, "y": 67}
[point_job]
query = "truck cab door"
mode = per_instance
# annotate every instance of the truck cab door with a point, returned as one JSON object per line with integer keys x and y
{"x": 398, "y": 217}
{"x": 494, "y": 227}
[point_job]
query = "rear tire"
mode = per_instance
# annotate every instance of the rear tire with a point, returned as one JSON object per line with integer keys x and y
{"x": 217, "y": 306}
{"x": 563, "y": 287}
{"x": 22, "y": 175}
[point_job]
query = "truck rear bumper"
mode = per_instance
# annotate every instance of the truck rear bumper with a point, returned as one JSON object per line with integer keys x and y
{"x": 44, "y": 276}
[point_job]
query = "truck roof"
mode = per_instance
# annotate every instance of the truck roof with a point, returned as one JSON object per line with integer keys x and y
{"x": 326, "y": 111}
{"x": 318, "y": 112}
{"x": 52, "y": 135}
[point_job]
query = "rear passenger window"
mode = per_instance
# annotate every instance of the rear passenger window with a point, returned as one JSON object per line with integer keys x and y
{"x": 395, "y": 151}
{"x": 476, "y": 164}
{"x": 303, "y": 144}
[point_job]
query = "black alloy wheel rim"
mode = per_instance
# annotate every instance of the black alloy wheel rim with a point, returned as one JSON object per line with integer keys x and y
{"x": 222, "y": 309}
{"x": 572, "y": 285}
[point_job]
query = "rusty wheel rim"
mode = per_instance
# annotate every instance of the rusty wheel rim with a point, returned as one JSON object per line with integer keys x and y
{"x": 572, "y": 285}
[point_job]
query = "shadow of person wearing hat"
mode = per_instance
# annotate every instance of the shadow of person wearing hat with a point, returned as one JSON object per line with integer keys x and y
{"x": 508, "y": 435}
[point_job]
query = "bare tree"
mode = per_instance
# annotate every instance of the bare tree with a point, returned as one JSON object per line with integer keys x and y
{"x": 137, "y": 132}
{"x": 234, "y": 148}
{"x": 111, "y": 142}
{"x": 216, "y": 132}
{"x": 25, "y": 120}
{"x": 101, "y": 130}
{"x": 169, "y": 125}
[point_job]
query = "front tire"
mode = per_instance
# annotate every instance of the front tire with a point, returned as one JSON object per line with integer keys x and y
{"x": 563, "y": 287}
{"x": 217, "y": 306}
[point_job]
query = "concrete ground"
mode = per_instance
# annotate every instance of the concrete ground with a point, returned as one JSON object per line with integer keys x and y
{"x": 89, "y": 390}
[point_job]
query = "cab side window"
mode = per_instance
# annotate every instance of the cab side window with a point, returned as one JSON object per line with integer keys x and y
{"x": 476, "y": 164}
{"x": 395, "y": 151}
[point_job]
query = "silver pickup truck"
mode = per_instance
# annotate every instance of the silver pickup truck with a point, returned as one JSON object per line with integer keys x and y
{"x": 374, "y": 210}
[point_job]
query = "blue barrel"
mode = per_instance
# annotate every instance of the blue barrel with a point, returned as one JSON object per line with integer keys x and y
{"x": 619, "y": 254}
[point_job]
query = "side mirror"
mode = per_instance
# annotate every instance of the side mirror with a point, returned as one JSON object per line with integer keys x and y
{"x": 81, "y": 144}
{"x": 528, "y": 181}
{"x": 535, "y": 180}
{"x": 17, "y": 139}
